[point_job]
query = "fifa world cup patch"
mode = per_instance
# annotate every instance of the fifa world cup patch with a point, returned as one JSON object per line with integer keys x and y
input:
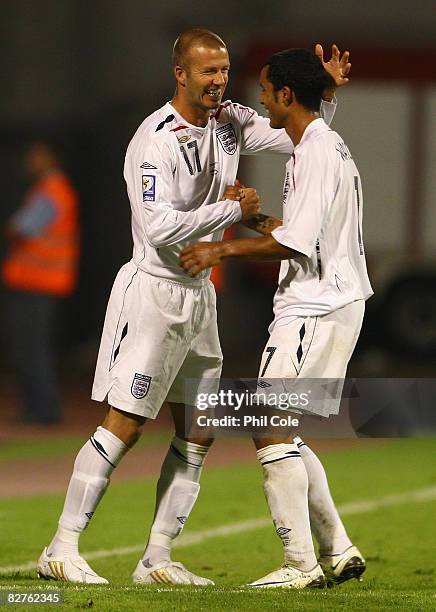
{"x": 227, "y": 138}
{"x": 148, "y": 188}
{"x": 140, "y": 385}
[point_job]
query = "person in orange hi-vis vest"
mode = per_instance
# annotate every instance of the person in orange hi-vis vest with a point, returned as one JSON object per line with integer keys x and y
{"x": 39, "y": 270}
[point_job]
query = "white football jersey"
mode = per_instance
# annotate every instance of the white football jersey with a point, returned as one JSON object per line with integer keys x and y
{"x": 322, "y": 219}
{"x": 176, "y": 175}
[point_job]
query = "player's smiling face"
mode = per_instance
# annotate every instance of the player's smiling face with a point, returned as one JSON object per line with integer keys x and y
{"x": 205, "y": 77}
{"x": 270, "y": 99}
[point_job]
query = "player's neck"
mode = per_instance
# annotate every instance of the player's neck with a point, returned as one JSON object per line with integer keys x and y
{"x": 194, "y": 116}
{"x": 297, "y": 123}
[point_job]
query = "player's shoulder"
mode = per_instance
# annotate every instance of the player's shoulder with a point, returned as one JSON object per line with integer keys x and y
{"x": 155, "y": 136}
{"x": 234, "y": 112}
{"x": 329, "y": 143}
{"x": 318, "y": 139}
{"x": 155, "y": 130}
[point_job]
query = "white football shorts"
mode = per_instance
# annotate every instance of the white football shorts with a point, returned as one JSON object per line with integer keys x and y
{"x": 156, "y": 334}
{"x": 300, "y": 353}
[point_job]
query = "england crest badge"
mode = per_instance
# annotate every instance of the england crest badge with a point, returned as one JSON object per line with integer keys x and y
{"x": 227, "y": 138}
{"x": 140, "y": 385}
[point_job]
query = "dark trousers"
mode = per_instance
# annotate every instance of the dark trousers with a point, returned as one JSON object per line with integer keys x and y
{"x": 31, "y": 318}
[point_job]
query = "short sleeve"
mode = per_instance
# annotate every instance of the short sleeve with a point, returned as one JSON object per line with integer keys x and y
{"x": 305, "y": 205}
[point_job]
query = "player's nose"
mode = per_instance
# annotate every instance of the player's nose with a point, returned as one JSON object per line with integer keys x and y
{"x": 219, "y": 79}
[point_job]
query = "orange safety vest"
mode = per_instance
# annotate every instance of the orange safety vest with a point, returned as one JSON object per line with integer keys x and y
{"x": 47, "y": 263}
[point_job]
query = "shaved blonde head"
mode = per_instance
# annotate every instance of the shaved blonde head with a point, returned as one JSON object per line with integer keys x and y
{"x": 195, "y": 37}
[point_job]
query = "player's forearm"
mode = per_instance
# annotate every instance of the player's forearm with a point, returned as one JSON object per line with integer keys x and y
{"x": 328, "y": 95}
{"x": 262, "y": 249}
{"x": 167, "y": 226}
{"x": 263, "y": 224}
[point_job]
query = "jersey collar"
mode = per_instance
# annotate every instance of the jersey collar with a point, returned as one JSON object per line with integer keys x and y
{"x": 183, "y": 121}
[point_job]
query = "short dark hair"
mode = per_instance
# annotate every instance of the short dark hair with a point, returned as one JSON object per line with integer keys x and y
{"x": 302, "y": 71}
{"x": 191, "y": 38}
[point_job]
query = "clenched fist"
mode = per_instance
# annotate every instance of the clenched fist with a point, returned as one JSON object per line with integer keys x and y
{"x": 249, "y": 202}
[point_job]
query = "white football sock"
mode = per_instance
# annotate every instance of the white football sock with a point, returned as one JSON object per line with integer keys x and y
{"x": 92, "y": 469}
{"x": 324, "y": 517}
{"x": 285, "y": 486}
{"x": 177, "y": 491}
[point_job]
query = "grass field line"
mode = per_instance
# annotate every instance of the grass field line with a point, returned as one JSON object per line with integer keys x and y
{"x": 197, "y": 537}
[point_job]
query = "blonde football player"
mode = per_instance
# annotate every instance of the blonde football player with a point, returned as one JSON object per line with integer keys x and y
{"x": 160, "y": 324}
{"x": 318, "y": 308}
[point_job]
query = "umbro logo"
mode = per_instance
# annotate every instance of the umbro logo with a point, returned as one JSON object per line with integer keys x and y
{"x": 281, "y": 531}
{"x": 148, "y": 166}
{"x": 184, "y": 139}
{"x": 89, "y": 515}
{"x": 182, "y": 519}
{"x": 263, "y": 384}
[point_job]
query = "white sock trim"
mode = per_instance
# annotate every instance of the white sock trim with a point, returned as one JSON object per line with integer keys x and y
{"x": 111, "y": 448}
{"x": 277, "y": 452}
{"x": 191, "y": 453}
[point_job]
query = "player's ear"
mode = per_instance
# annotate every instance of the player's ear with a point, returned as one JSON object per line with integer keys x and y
{"x": 287, "y": 95}
{"x": 180, "y": 74}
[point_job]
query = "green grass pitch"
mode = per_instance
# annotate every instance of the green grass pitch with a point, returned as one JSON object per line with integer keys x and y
{"x": 398, "y": 540}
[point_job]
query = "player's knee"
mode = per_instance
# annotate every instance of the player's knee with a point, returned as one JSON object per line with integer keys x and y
{"x": 126, "y": 426}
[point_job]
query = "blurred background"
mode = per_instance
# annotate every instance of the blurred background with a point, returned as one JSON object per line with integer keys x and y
{"x": 87, "y": 74}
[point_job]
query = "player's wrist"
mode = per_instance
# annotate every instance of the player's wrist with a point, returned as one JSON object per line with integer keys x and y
{"x": 328, "y": 95}
{"x": 237, "y": 206}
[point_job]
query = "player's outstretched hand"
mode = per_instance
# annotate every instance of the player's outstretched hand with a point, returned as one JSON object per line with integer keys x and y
{"x": 199, "y": 256}
{"x": 250, "y": 203}
{"x": 338, "y": 66}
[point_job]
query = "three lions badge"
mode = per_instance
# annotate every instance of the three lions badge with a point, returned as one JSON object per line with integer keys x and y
{"x": 227, "y": 138}
{"x": 140, "y": 385}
